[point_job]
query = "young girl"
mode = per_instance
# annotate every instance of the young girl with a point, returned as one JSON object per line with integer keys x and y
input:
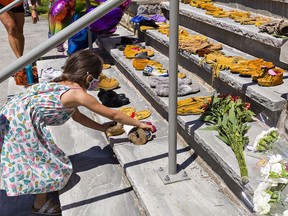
{"x": 31, "y": 162}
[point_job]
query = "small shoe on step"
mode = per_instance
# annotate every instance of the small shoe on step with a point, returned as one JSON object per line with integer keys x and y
{"x": 163, "y": 90}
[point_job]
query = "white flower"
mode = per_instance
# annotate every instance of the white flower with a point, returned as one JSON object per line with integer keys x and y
{"x": 266, "y": 170}
{"x": 261, "y": 202}
{"x": 285, "y": 213}
{"x": 277, "y": 168}
{"x": 263, "y": 186}
{"x": 275, "y": 159}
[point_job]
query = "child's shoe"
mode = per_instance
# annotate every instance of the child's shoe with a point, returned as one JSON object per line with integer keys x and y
{"x": 272, "y": 78}
{"x": 107, "y": 83}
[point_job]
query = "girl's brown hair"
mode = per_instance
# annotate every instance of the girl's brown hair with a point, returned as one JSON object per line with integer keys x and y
{"x": 79, "y": 64}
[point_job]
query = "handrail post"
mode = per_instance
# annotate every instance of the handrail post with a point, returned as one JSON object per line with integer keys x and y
{"x": 9, "y": 6}
{"x": 173, "y": 173}
{"x": 173, "y": 84}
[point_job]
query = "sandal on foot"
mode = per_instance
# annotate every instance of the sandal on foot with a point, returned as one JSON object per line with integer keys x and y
{"x": 54, "y": 210}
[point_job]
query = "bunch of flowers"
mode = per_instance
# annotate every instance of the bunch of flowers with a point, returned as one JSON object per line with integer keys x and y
{"x": 270, "y": 190}
{"x": 229, "y": 116}
{"x": 265, "y": 140}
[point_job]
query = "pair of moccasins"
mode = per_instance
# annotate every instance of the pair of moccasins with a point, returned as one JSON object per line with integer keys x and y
{"x": 111, "y": 99}
{"x": 136, "y": 135}
{"x": 161, "y": 85}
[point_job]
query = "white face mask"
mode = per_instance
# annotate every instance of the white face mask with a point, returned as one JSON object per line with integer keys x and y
{"x": 93, "y": 84}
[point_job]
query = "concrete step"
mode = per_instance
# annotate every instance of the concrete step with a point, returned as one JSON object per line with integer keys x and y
{"x": 216, "y": 153}
{"x": 227, "y": 31}
{"x": 268, "y": 100}
{"x": 142, "y": 163}
{"x": 277, "y": 8}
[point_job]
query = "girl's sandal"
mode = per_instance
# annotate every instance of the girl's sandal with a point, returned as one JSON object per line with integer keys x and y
{"x": 48, "y": 209}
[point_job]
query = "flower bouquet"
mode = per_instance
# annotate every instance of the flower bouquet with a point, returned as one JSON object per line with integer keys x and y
{"x": 229, "y": 116}
{"x": 270, "y": 191}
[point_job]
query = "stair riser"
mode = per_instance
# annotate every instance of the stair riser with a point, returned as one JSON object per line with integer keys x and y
{"x": 265, "y": 7}
{"x": 247, "y": 45}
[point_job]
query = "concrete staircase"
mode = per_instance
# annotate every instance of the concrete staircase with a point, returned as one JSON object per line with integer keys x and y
{"x": 114, "y": 177}
{"x": 269, "y": 103}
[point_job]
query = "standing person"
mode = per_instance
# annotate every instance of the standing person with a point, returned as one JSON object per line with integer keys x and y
{"x": 31, "y": 162}
{"x": 13, "y": 20}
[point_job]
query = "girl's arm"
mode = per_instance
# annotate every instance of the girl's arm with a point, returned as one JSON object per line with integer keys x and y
{"x": 88, "y": 122}
{"x": 74, "y": 98}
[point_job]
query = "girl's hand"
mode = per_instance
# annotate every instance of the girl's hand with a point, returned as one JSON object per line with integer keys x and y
{"x": 147, "y": 127}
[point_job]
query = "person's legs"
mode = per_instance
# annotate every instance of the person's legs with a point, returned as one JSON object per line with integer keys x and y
{"x": 14, "y": 23}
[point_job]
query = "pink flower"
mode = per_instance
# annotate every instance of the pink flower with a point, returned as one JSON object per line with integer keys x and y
{"x": 286, "y": 166}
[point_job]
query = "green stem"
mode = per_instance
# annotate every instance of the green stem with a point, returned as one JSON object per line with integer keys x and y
{"x": 241, "y": 162}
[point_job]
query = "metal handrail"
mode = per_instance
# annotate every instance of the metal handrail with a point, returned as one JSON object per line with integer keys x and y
{"x": 58, "y": 38}
{"x": 9, "y": 6}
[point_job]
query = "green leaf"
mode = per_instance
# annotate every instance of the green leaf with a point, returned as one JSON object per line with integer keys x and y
{"x": 224, "y": 139}
{"x": 213, "y": 127}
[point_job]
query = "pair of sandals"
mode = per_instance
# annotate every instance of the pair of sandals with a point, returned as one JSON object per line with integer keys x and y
{"x": 111, "y": 99}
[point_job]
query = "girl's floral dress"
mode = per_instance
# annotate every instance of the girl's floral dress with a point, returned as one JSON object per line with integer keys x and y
{"x": 31, "y": 162}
